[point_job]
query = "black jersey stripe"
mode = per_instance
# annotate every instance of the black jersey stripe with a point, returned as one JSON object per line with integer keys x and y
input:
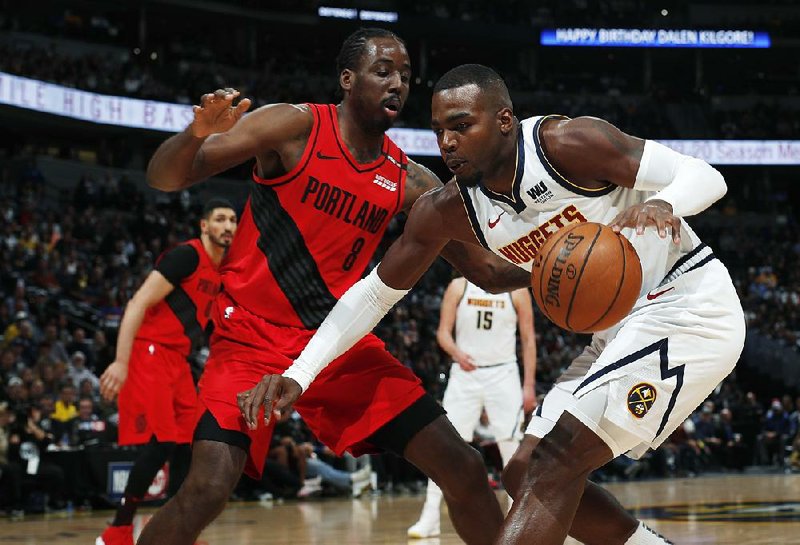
{"x": 289, "y": 259}
{"x": 515, "y": 201}
{"x": 473, "y": 217}
{"x": 185, "y": 310}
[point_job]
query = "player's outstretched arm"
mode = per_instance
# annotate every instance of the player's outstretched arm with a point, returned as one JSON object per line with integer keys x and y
{"x": 479, "y": 266}
{"x": 220, "y": 137}
{"x": 356, "y": 313}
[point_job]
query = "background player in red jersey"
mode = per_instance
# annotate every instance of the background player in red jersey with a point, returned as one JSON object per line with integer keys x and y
{"x": 325, "y": 184}
{"x": 163, "y": 323}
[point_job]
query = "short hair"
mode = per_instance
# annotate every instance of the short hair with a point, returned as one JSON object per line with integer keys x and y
{"x": 355, "y": 45}
{"x": 214, "y": 203}
{"x": 484, "y": 77}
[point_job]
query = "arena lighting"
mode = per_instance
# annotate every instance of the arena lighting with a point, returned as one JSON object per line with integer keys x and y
{"x": 653, "y": 37}
{"x": 135, "y": 113}
{"x": 364, "y": 15}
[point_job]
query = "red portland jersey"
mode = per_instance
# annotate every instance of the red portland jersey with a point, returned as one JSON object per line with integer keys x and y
{"x": 180, "y": 320}
{"x": 307, "y": 236}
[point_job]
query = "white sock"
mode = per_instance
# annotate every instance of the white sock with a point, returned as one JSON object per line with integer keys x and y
{"x": 645, "y": 536}
{"x": 433, "y": 500}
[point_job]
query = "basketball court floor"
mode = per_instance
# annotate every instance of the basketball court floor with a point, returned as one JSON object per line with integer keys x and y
{"x": 730, "y": 510}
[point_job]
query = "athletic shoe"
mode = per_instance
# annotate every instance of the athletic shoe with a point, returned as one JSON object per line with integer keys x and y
{"x": 116, "y": 535}
{"x": 360, "y": 480}
{"x": 426, "y": 526}
{"x": 311, "y": 487}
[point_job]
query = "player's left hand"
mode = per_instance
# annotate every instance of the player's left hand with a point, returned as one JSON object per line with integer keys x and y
{"x": 656, "y": 213}
{"x": 275, "y": 392}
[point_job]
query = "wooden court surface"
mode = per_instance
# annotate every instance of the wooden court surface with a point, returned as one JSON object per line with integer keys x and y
{"x": 735, "y": 510}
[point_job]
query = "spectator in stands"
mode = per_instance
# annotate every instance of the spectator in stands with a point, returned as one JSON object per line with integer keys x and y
{"x": 65, "y": 409}
{"x": 17, "y": 394}
{"x": 707, "y": 434}
{"x": 28, "y": 441}
{"x": 87, "y": 429}
{"x": 775, "y": 433}
{"x": 79, "y": 344}
{"x": 78, "y": 372}
{"x": 734, "y": 453}
{"x": 58, "y": 351}
{"x": 10, "y": 471}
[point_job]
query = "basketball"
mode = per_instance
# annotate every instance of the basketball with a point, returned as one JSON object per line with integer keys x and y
{"x": 586, "y": 277}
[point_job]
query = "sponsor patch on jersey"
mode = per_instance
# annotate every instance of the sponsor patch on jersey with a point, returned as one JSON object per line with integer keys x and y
{"x": 540, "y": 193}
{"x": 640, "y": 399}
{"x": 385, "y": 183}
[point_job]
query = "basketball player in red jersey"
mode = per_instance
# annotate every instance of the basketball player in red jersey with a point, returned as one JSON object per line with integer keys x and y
{"x": 163, "y": 323}
{"x": 327, "y": 180}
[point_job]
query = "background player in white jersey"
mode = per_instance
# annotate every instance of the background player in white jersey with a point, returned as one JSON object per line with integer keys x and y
{"x": 637, "y": 381}
{"x": 484, "y": 373}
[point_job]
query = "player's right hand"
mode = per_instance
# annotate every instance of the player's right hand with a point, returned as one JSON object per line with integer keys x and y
{"x": 216, "y": 112}
{"x": 112, "y": 380}
{"x": 466, "y": 362}
{"x": 275, "y": 393}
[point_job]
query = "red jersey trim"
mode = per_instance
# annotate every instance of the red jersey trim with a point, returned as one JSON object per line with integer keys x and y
{"x": 359, "y": 167}
{"x": 301, "y": 164}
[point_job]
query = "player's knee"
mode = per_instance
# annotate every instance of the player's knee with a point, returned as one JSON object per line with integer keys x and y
{"x": 565, "y": 454}
{"x": 466, "y": 476}
{"x": 208, "y": 493}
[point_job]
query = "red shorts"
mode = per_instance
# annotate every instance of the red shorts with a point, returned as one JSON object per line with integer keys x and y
{"x": 158, "y": 398}
{"x": 350, "y": 400}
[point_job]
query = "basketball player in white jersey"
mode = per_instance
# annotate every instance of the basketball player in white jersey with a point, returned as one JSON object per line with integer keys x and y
{"x": 484, "y": 373}
{"x": 516, "y": 183}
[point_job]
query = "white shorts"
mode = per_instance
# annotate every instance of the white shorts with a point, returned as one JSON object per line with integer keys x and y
{"x": 497, "y": 388}
{"x": 638, "y": 381}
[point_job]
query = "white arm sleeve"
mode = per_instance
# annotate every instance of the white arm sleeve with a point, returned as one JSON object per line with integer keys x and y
{"x": 357, "y": 312}
{"x": 688, "y": 184}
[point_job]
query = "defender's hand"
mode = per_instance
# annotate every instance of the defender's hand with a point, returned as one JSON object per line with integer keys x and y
{"x": 112, "y": 380}
{"x": 275, "y": 392}
{"x": 656, "y": 213}
{"x": 217, "y": 113}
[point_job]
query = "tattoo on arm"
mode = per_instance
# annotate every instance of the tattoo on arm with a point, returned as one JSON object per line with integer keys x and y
{"x": 419, "y": 180}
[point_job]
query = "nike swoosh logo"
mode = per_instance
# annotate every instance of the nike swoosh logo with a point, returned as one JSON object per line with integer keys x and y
{"x": 492, "y": 224}
{"x": 326, "y": 157}
{"x": 651, "y": 296}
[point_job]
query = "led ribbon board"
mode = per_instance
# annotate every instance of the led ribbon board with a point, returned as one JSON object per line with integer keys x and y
{"x": 656, "y": 37}
{"x": 135, "y": 113}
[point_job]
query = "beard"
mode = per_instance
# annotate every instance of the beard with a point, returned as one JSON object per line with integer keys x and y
{"x": 370, "y": 120}
{"x": 219, "y": 241}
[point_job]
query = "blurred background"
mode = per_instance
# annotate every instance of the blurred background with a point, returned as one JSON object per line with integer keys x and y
{"x": 89, "y": 89}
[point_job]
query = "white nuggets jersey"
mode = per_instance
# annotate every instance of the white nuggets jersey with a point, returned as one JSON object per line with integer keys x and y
{"x": 486, "y": 326}
{"x": 543, "y": 201}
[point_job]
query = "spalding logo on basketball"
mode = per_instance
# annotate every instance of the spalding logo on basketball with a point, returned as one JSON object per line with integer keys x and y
{"x": 586, "y": 277}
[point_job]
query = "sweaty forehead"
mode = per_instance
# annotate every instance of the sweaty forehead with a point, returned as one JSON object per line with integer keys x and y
{"x": 467, "y": 99}
{"x": 385, "y": 48}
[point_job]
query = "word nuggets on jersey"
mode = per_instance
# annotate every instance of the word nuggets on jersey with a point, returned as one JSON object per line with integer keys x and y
{"x": 586, "y": 277}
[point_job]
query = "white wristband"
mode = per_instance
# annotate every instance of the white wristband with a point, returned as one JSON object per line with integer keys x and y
{"x": 357, "y": 312}
{"x": 688, "y": 184}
